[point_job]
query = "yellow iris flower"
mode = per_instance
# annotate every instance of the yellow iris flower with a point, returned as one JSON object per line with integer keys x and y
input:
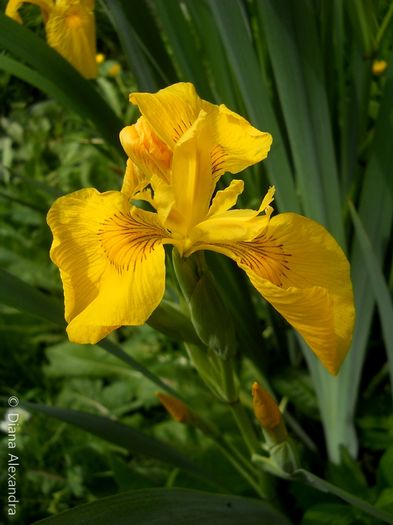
{"x": 111, "y": 253}
{"x": 70, "y": 29}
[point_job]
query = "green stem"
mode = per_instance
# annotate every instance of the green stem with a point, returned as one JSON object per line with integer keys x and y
{"x": 228, "y": 380}
{"x": 235, "y": 452}
{"x": 250, "y": 477}
{"x": 250, "y": 438}
{"x": 245, "y": 427}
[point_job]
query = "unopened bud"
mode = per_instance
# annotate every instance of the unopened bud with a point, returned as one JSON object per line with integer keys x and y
{"x": 176, "y": 408}
{"x": 210, "y": 315}
{"x": 268, "y": 414}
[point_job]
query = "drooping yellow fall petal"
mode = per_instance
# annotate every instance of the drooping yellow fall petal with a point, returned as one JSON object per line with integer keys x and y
{"x": 111, "y": 259}
{"x": 70, "y": 29}
{"x": 299, "y": 268}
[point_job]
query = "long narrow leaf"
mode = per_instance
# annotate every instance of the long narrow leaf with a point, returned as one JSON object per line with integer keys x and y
{"x": 236, "y": 36}
{"x": 295, "y": 50}
{"x": 171, "y": 507}
{"x": 183, "y": 42}
{"x": 132, "y": 47}
{"x": 124, "y": 436}
{"x": 381, "y": 289}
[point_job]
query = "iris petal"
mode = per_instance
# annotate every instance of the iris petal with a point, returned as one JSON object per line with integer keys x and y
{"x": 70, "y": 29}
{"x": 171, "y": 111}
{"x": 111, "y": 259}
{"x": 299, "y": 268}
{"x": 234, "y": 143}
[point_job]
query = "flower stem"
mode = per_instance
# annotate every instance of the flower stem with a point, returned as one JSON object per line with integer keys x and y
{"x": 245, "y": 427}
{"x": 246, "y": 473}
{"x": 250, "y": 438}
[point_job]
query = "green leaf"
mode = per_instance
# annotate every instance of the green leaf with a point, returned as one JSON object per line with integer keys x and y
{"x": 385, "y": 500}
{"x": 380, "y": 287}
{"x": 324, "y": 486}
{"x": 69, "y": 360}
{"x": 126, "y": 437}
{"x": 171, "y": 507}
{"x": 338, "y": 395}
{"x": 295, "y": 50}
{"x": 223, "y": 81}
{"x": 297, "y": 387}
{"x": 56, "y": 77}
{"x": 183, "y": 42}
{"x": 385, "y": 467}
{"x": 132, "y": 46}
{"x": 329, "y": 513}
{"x": 232, "y": 24}
{"x": 22, "y": 296}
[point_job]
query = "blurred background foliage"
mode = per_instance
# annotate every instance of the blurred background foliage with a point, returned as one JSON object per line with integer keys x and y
{"x": 300, "y": 70}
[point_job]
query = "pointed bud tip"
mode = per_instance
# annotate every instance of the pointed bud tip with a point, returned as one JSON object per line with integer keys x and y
{"x": 176, "y": 408}
{"x": 266, "y": 410}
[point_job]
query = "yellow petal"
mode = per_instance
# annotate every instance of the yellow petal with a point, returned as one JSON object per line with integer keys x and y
{"x": 70, "y": 30}
{"x": 192, "y": 182}
{"x": 226, "y": 227}
{"x": 299, "y": 268}
{"x": 222, "y": 225}
{"x": 111, "y": 259}
{"x": 145, "y": 149}
{"x": 227, "y": 198}
{"x": 171, "y": 111}
{"x": 13, "y": 6}
{"x": 135, "y": 184}
{"x": 237, "y": 143}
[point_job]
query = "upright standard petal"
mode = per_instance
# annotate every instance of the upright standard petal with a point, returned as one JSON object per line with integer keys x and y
{"x": 111, "y": 259}
{"x": 192, "y": 183}
{"x": 171, "y": 111}
{"x": 237, "y": 144}
{"x": 70, "y": 29}
{"x": 299, "y": 268}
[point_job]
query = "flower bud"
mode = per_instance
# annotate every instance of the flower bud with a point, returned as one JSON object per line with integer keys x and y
{"x": 176, "y": 408}
{"x": 209, "y": 314}
{"x": 269, "y": 416}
